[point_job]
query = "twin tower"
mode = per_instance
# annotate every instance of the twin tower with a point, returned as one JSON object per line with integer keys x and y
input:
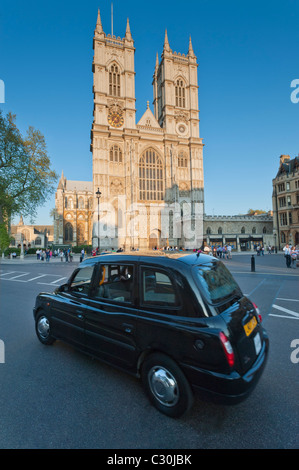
{"x": 149, "y": 173}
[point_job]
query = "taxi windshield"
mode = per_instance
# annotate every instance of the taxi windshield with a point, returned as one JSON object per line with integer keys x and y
{"x": 216, "y": 281}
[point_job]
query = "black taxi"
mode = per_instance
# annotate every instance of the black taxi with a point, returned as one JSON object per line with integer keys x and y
{"x": 180, "y": 322}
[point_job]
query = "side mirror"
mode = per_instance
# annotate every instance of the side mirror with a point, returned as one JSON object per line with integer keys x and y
{"x": 62, "y": 288}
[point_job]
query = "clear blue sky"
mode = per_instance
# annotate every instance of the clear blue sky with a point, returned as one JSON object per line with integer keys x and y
{"x": 247, "y": 54}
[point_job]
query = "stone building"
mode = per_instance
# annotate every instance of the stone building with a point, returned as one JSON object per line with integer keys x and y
{"x": 285, "y": 201}
{"x": 242, "y": 232}
{"x": 73, "y": 212}
{"x": 33, "y": 236}
{"x": 149, "y": 173}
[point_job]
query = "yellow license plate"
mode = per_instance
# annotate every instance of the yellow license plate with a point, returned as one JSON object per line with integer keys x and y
{"x": 249, "y": 327}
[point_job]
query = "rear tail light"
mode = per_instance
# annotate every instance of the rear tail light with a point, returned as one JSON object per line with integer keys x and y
{"x": 257, "y": 312}
{"x": 228, "y": 350}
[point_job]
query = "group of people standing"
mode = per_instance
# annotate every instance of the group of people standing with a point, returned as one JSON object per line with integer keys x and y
{"x": 291, "y": 255}
{"x": 44, "y": 254}
{"x": 47, "y": 254}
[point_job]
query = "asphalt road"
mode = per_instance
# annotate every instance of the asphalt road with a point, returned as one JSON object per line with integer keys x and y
{"x": 55, "y": 397}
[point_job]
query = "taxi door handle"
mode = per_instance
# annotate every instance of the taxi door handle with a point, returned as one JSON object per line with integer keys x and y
{"x": 128, "y": 327}
{"x": 79, "y": 314}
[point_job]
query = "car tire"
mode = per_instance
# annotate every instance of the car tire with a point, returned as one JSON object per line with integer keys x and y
{"x": 166, "y": 385}
{"x": 43, "y": 330}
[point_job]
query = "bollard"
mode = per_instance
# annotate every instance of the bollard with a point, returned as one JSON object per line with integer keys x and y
{"x": 252, "y": 264}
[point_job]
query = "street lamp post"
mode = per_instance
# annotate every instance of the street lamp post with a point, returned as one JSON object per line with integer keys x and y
{"x": 275, "y": 247}
{"x": 98, "y": 195}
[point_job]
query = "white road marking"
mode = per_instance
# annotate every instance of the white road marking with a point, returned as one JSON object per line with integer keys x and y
{"x": 19, "y": 275}
{"x": 285, "y": 310}
{"x": 10, "y": 272}
{"x": 283, "y": 316}
{"x": 58, "y": 280}
{"x": 289, "y": 300}
{"x": 37, "y": 277}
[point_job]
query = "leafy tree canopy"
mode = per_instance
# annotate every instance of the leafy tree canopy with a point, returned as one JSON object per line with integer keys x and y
{"x": 26, "y": 178}
{"x": 256, "y": 211}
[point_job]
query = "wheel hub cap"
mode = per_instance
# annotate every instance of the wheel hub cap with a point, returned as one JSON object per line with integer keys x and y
{"x": 163, "y": 386}
{"x": 43, "y": 327}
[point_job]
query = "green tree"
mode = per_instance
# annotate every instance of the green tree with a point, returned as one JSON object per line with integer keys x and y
{"x": 26, "y": 178}
{"x": 4, "y": 238}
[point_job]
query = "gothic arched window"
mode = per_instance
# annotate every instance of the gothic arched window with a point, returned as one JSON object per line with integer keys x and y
{"x": 70, "y": 203}
{"x": 68, "y": 232}
{"x": 80, "y": 203}
{"x": 180, "y": 93}
{"x": 114, "y": 80}
{"x": 150, "y": 177}
{"x": 116, "y": 154}
{"x": 182, "y": 160}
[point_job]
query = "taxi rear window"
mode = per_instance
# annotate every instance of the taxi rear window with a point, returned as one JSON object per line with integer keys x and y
{"x": 216, "y": 282}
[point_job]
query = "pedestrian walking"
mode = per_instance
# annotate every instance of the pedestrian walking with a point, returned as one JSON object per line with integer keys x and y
{"x": 294, "y": 255}
{"x": 287, "y": 255}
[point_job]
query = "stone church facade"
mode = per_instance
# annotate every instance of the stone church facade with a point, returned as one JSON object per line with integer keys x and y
{"x": 149, "y": 174}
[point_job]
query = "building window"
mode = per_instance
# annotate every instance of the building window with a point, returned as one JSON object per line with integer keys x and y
{"x": 180, "y": 100}
{"x": 283, "y": 237}
{"x": 283, "y": 218}
{"x": 150, "y": 177}
{"x": 116, "y": 154}
{"x": 70, "y": 203}
{"x": 254, "y": 230}
{"x": 264, "y": 230}
{"x": 281, "y": 187}
{"x": 38, "y": 241}
{"x": 243, "y": 230}
{"x": 65, "y": 202}
{"x": 289, "y": 201}
{"x": 290, "y": 218}
{"x": 209, "y": 231}
{"x": 182, "y": 160}
{"x": 80, "y": 203}
{"x": 282, "y": 201}
{"x": 114, "y": 81}
{"x": 219, "y": 231}
{"x": 68, "y": 232}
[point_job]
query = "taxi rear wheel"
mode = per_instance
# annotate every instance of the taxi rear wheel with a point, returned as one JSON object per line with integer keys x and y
{"x": 166, "y": 385}
{"x": 43, "y": 330}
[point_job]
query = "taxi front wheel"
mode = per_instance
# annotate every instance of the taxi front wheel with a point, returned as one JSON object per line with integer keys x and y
{"x": 166, "y": 385}
{"x": 42, "y": 328}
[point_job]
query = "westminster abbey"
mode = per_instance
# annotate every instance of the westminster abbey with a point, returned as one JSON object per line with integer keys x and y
{"x": 148, "y": 188}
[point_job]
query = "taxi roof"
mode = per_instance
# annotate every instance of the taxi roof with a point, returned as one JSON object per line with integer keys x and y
{"x": 155, "y": 256}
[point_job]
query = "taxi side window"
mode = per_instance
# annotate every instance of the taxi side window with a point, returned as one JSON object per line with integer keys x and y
{"x": 115, "y": 283}
{"x": 82, "y": 279}
{"x": 157, "y": 288}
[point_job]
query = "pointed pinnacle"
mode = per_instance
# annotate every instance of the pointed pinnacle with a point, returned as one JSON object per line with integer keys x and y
{"x": 99, "y": 22}
{"x": 128, "y": 31}
{"x": 166, "y": 43}
{"x": 190, "y": 51}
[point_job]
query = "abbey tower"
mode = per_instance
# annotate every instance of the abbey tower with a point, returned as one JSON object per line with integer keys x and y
{"x": 149, "y": 173}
